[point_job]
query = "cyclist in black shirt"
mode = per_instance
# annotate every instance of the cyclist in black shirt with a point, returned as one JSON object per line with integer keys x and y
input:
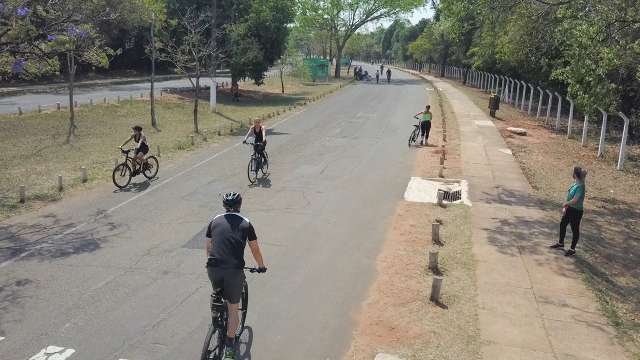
{"x": 260, "y": 137}
{"x": 227, "y": 235}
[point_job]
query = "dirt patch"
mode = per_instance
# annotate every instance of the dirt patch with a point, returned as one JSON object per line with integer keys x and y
{"x": 397, "y": 316}
{"x": 609, "y": 247}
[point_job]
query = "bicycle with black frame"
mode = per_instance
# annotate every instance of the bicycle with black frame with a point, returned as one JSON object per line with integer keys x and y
{"x": 258, "y": 162}
{"x": 214, "y": 342}
{"x": 129, "y": 168}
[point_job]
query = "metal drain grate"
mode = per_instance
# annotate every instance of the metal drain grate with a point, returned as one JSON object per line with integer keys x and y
{"x": 452, "y": 196}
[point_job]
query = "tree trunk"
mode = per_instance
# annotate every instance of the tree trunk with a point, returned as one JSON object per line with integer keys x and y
{"x": 152, "y": 97}
{"x": 338, "y": 62}
{"x": 71, "y": 65}
{"x": 330, "y": 49}
{"x": 282, "y": 78}
{"x": 195, "y": 105}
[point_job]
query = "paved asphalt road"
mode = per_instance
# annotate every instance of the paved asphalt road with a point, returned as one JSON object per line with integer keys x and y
{"x": 120, "y": 274}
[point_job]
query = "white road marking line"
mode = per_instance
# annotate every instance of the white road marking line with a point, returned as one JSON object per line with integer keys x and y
{"x": 53, "y": 352}
{"x": 69, "y": 231}
{"x": 484, "y": 123}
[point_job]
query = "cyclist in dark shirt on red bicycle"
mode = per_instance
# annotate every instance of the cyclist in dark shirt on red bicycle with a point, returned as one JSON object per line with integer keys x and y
{"x": 227, "y": 236}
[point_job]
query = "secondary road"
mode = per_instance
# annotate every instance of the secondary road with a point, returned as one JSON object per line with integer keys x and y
{"x": 30, "y": 101}
{"x": 120, "y": 275}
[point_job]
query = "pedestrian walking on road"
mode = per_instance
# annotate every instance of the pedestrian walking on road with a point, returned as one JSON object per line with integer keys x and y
{"x": 377, "y": 77}
{"x": 388, "y": 76}
{"x": 572, "y": 211}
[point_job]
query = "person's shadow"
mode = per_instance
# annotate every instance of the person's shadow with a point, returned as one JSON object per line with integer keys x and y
{"x": 243, "y": 350}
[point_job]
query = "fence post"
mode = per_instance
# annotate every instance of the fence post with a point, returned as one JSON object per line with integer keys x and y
{"x": 585, "y": 127}
{"x": 433, "y": 260}
{"x": 539, "y": 102}
{"x": 60, "y": 187}
{"x": 569, "y": 124}
{"x": 524, "y": 95}
{"x": 603, "y": 132}
{"x": 559, "y": 111}
{"x": 530, "y": 99}
{"x": 623, "y": 143}
{"x": 23, "y": 195}
{"x": 83, "y": 174}
{"x": 549, "y": 106}
{"x": 436, "y": 287}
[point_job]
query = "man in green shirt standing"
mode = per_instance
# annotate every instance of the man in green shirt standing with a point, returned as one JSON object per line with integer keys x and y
{"x": 425, "y": 124}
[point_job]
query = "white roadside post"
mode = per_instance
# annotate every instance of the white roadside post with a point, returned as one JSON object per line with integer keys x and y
{"x": 559, "y": 111}
{"x": 213, "y": 106}
{"x": 570, "y": 122}
{"x": 585, "y": 128}
{"x": 603, "y": 132}
{"x": 524, "y": 95}
{"x": 503, "y": 88}
{"x": 549, "y": 106}
{"x": 513, "y": 83}
{"x": 539, "y": 102}
{"x": 623, "y": 143}
{"x": 530, "y": 99}
{"x": 515, "y": 103}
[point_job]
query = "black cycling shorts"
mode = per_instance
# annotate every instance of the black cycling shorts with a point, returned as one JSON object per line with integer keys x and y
{"x": 227, "y": 281}
{"x": 144, "y": 149}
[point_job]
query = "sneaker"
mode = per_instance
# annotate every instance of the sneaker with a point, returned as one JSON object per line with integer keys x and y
{"x": 229, "y": 354}
{"x": 569, "y": 252}
{"x": 557, "y": 246}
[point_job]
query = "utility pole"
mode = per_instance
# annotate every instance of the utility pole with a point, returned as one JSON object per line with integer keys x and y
{"x": 214, "y": 64}
{"x": 152, "y": 97}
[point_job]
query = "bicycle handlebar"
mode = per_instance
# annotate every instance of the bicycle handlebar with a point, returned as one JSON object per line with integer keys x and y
{"x": 256, "y": 270}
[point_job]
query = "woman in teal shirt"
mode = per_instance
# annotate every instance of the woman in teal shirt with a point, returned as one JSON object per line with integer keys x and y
{"x": 572, "y": 210}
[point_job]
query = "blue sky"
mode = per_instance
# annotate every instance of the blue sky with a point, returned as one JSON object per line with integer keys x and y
{"x": 414, "y": 17}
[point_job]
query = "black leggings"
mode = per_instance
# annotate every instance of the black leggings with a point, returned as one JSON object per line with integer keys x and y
{"x": 425, "y": 129}
{"x": 571, "y": 217}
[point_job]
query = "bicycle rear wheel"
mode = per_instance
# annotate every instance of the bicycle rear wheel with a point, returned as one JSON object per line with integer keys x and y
{"x": 414, "y": 137}
{"x": 265, "y": 165}
{"x": 252, "y": 170}
{"x": 121, "y": 175}
{"x": 151, "y": 167}
{"x": 213, "y": 344}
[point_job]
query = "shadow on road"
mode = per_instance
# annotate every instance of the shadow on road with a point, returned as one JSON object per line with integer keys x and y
{"x": 262, "y": 182}
{"x": 137, "y": 187}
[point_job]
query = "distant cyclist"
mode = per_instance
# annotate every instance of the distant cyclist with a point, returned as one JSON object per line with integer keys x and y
{"x": 142, "y": 146}
{"x": 259, "y": 133}
{"x": 227, "y": 236}
{"x": 381, "y": 69}
{"x": 425, "y": 124}
{"x": 388, "y": 76}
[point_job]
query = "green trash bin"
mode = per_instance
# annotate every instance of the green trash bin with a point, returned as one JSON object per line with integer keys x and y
{"x": 316, "y": 69}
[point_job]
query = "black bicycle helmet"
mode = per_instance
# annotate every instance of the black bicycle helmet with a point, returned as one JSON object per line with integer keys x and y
{"x": 232, "y": 201}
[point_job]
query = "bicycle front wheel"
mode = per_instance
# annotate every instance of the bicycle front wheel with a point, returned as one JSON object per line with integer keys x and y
{"x": 212, "y": 348}
{"x": 151, "y": 167}
{"x": 252, "y": 170}
{"x": 121, "y": 176}
{"x": 242, "y": 309}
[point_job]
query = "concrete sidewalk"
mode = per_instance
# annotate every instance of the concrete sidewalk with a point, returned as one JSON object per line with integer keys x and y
{"x": 532, "y": 301}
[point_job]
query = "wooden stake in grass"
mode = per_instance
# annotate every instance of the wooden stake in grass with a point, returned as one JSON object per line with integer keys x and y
{"x": 83, "y": 174}
{"x": 104, "y": 100}
{"x": 441, "y": 172}
{"x": 23, "y": 194}
{"x": 75, "y": 103}
{"x": 193, "y": 140}
{"x": 158, "y": 152}
{"x": 435, "y": 233}
{"x": 441, "y": 198}
{"x": 60, "y": 187}
{"x": 39, "y": 109}
{"x": 58, "y": 106}
{"x": 90, "y": 101}
{"x": 118, "y": 101}
{"x": 19, "y": 110}
{"x": 433, "y": 260}
{"x": 436, "y": 288}
{"x": 442, "y": 159}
